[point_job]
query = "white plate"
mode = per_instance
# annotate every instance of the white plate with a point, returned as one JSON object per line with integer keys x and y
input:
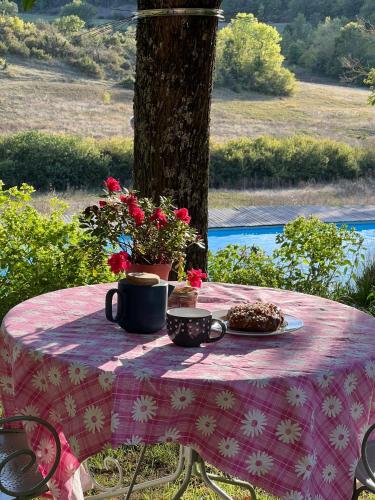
{"x": 291, "y": 324}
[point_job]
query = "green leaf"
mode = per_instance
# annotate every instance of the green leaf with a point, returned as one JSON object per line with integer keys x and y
{"x": 28, "y": 4}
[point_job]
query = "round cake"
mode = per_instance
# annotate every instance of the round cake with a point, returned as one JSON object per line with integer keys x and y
{"x": 255, "y": 317}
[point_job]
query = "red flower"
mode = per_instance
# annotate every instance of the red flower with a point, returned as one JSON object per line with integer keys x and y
{"x": 119, "y": 262}
{"x": 130, "y": 200}
{"x": 102, "y": 203}
{"x": 195, "y": 277}
{"x": 138, "y": 214}
{"x": 182, "y": 214}
{"x": 160, "y": 218}
{"x": 112, "y": 184}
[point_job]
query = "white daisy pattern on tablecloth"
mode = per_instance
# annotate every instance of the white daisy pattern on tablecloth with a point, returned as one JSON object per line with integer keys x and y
{"x": 77, "y": 373}
{"x": 296, "y": 396}
{"x": 325, "y": 379}
{"x": 170, "y": 435}
{"x": 350, "y": 383}
{"x": 39, "y": 381}
{"x": 253, "y": 424}
{"x": 32, "y": 411}
{"x": 115, "y": 422}
{"x": 182, "y": 398}
{"x": 339, "y": 437}
{"x": 293, "y": 495}
{"x": 133, "y": 441}
{"x": 225, "y": 400}
{"x": 6, "y": 356}
{"x": 54, "y": 416}
{"x": 53, "y": 488}
{"x": 331, "y": 406}
{"x": 54, "y": 376}
{"x": 305, "y": 466}
{"x": 46, "y": 451}
{"x": 70, "y": 405}
{"x": 36, "y": 355}
{"x": 206, "y": 424}
{"x": 259, "y": 463}
{"x": 329, "y": 473}
{"x": 288, "y": 432}
{"x": 228, "y": 447}
{"x": 6, "y": 384}
{"x": 70, "y": 470}
{"x": 16, "y": 351}
{"x": 144, "y": 409}
{"x": 362, "y": 432}
{"x": 93, "y": 418}
{"x": 106, "y": 380}
{"x": 356, "y": 410}
{"x": 352, "y": 468}
{"x": 143, "y": 373}
{"x": 370, "y": 369}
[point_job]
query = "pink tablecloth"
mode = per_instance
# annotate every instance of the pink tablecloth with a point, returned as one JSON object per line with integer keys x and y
{"x": 286, "y": 413}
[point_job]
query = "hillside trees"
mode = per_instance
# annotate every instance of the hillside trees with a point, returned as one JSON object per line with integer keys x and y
{"x": 249, "y": 58}
{"x": 331, "y": 48}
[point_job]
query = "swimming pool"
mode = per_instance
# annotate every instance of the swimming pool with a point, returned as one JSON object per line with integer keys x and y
{"x": 265, "y": 236}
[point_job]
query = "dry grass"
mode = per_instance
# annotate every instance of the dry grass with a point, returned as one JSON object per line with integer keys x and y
{"x": 361, "y": 192}
{"x": 53, "y": 97}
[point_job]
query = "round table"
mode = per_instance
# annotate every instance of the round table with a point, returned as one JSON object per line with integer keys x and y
{"x": 285, "y": 413}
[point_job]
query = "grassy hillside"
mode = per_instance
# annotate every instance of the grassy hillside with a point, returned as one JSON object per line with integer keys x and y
{"x": 50, "y": 96}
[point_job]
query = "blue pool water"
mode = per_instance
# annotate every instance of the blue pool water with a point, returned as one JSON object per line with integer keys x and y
{"x": 265, "y": 236}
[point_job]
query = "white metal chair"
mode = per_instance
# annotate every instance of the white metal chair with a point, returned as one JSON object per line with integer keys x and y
{"x": 365, "y": 470}
{"x": 19, "y": 474}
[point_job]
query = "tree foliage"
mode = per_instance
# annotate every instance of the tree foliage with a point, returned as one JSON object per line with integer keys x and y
{"x": 108, "y": 55}
{"x": 41, "y": 253}
{"x": 312, "y": 257}
{"x": 8, "y": 8}
{"x": 249, "y": 58}
{"x": 314, "y": 11}
{"x": 80, "y": 8}
{"x": 331, "y": 48}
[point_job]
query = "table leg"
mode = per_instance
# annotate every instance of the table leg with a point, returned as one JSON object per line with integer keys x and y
{"x": 118, "y": 490}
{"x": 189, "y": 462}
{"x": 195, "y": 466}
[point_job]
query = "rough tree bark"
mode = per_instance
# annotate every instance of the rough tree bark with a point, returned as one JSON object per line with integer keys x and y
{"x": 175, "y": 59}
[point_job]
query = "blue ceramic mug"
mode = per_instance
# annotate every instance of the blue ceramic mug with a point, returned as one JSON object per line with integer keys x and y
{"x": 140, "y": 308}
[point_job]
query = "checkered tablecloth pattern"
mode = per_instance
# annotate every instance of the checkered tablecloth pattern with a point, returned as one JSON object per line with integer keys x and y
{"x": 285, "y": 413}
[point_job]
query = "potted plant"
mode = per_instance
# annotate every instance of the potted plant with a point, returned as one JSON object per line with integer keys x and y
{"x": 140, "y": 235}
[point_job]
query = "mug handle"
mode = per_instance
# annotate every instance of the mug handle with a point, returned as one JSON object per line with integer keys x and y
{"x": 223, "y": 331}
{"x": 108, "y": 304}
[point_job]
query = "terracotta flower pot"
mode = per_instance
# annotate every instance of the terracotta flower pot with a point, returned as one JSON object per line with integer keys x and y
{"x": 162, "y": 270}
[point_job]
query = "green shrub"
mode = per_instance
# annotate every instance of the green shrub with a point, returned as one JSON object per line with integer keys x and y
{"x": 88, "y": 66}
{"x": 243, "y": 265}
{"x": 68, "y": 25}
{"x": 8, "y": 8}
{"x": 39, "y": 54}
{"x": 119, "y": 152}
{"x": 42, "y": 253}
{"x": 79, "y": 8}
{"x": 264, "y": 161}
{"x": 361, "y": 292}
{"x": 58, "y": 161}
{"x": 52, "y": 161}
{"x": 313, "y": 255}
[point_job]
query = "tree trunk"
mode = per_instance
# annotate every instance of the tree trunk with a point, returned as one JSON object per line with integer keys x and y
{"x": 175, "y": 59}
